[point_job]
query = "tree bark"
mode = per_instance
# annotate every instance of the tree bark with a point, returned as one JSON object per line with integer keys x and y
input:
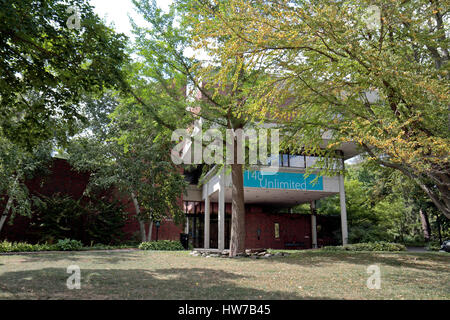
{"x": 425, "y": 225}
{"x": 439, "y": 229}
{"x": 5, "y": 213}
{"x": 149, "y": 233}
{"x": 237, "y": 244}
{"x": 440, "y": 197}
{"x": 138, "y": 216}
{"x": 440, "y": 201}
{"x": 8, "y": 204}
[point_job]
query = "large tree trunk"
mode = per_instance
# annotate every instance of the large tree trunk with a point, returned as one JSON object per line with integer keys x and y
{"x": 5, "y": 213}
{"x": 138, "y": 216}
{"x": 237, "y": 244}
{"x": 149, "y": 233}
{"x": 425, "y": 225}
{"x": 8, "y": 204}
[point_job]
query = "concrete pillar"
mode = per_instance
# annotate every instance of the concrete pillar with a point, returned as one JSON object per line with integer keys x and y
{"x": 221, "y": 218}
{"x": 207, "y": 222}
{"x": 343, "y": 210}
{"x": 313, "y": 224}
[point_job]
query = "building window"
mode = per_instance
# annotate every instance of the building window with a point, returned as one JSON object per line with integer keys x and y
{"x": 277, "y": 230}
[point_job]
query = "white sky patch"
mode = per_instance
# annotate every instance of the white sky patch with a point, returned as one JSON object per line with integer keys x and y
{"x": 117, "y": 13}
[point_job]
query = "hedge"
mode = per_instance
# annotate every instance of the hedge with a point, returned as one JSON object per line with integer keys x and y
{"x": 6, "y": 246}
{"x": 368, "y": 246}
{"x": 61, "y": 245}
{"x": 168, "y": 245}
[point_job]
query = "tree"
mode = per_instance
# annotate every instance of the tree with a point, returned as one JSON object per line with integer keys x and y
{"x": 49, "y": 63}
{"x": 163, "y": 75}
{"x": 17, "y": 165}
{"x": 131, "y": 156}
{"x": 380, "y": 81}
{"x": 383, "y": 204}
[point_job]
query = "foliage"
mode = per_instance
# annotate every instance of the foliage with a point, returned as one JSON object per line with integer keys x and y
{"x": 6, "y": 246}
{"x": 69, "y": 245}
{"x": 16, "y": 166}
{"x": 382, "y": 204}
{"x": 384, "y": 87}
{"x": 88, "y": 220}
{"x": 433, "y": 246}
{"x": 169, "y": 81}
{"x": 129, "y": 154}
{"x": 167, "y": 245}
{"x": 47, "y": 67}
{"x": 61, "y": 245}
{"x": 47, "y": 71}
{"x": 368, "y": 246}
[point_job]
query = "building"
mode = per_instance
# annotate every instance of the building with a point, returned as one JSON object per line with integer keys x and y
{"x": 269, "y": 199}
{"x": 270, "y": 195}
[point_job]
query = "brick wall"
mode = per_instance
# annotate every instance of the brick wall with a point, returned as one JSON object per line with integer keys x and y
{"x": 63, "y": 179}
{"x": 294, "y": 231}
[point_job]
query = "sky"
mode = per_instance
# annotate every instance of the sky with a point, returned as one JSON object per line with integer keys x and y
{"x": 117, "y": 12}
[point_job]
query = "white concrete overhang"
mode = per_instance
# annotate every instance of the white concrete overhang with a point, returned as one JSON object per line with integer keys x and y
{"x": 275, "y": 196}
{"x": 290, "y": 191}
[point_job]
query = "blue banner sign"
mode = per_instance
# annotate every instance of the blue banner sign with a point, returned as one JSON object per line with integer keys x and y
{"x": 282, "y": 180}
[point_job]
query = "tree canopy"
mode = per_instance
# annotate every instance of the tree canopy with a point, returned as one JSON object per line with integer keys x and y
{"x": 48, "y": 64}
{"x": 382, "y": 85}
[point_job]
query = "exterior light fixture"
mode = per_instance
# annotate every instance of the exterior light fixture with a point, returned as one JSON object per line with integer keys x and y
{"x": 258, "y": 233}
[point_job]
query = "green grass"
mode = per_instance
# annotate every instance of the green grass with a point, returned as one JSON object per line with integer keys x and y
{"x": 310, "y": 274}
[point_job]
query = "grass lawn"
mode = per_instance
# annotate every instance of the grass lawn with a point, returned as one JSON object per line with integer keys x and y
{"x": 178, "y": 275}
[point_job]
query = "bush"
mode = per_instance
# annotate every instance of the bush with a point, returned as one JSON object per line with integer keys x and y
{"x": 6, "y": 246}
{"x": 368, "y": 246}
{"x": 62, "y": 245}
{"x": 433, "y": 246}
{"x": 168, "y": 245}
{"x": 46, "y": 247}
{"x": 69, "y": 245}
{"x": 87, "y": 219}
{"x": 366, "y": 232}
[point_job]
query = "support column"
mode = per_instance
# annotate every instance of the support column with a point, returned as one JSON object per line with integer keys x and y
{"x": 221, "y": 220}
{"x": 186, "y": 226}
{"x": 313, "y": 224}
{"x": 343, "y": 210}
{"x": 207, "y": 222}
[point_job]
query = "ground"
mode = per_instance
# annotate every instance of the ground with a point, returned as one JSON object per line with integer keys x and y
{"x": 311, "y": 274}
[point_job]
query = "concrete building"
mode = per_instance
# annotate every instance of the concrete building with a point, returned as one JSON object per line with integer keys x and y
{"x": 270, "y": 195}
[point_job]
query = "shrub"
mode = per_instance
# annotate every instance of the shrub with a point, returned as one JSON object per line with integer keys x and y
{"x": 433, "y": 246}
{"x": 69, "y": 245}
{"x": 368, "y": 246}
{"x": 168, "y": 245}
{"x": 62, "y": 245}
{"x": 87, "y": 219}
{"x": 6, "y": 246}
{"x": 46, "y": 247}
{"x": 366, "y": 232}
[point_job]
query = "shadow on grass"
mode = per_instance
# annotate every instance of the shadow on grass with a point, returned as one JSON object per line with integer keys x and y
{"x": 172, "y": 283}
{"x": 419, "y": 261}
{"x": 101, "y": 257}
